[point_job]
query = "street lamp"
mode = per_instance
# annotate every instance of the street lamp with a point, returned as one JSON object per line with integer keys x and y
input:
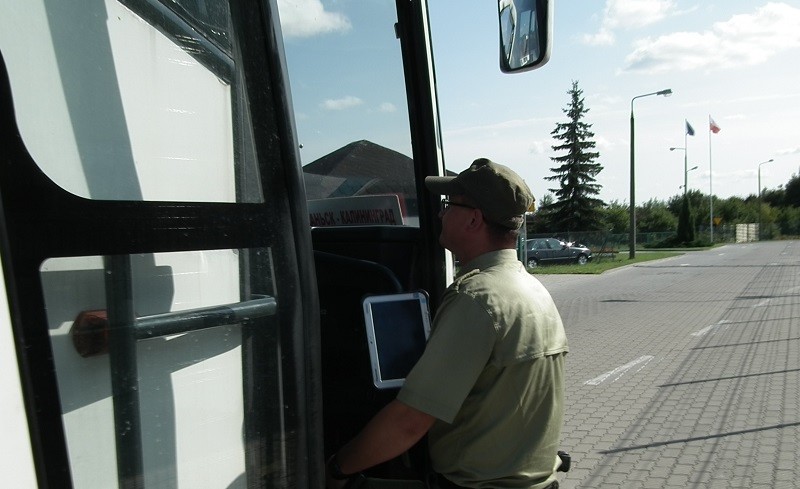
{"x": 686, "y": 180}
{"x": 632, "y": 231}
{"x": 685, "y": 171}
{"x": 759, "y": 196}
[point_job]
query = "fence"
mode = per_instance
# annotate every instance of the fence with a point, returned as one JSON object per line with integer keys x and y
{"x": 725, "y": 233}
{"x": 600, "y": 240}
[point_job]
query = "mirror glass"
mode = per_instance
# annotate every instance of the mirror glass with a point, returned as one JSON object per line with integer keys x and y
{"x": 525, "y": 27}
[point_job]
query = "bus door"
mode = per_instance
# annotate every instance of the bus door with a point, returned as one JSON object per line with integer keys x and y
{"x": 155, "y": 247}
{"x": 362, "y": 87}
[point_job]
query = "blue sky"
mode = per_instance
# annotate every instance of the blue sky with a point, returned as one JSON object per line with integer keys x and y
{"x": 733, "y": 60}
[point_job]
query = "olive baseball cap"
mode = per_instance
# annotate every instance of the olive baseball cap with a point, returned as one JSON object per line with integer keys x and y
{"x": 502, "y": 196}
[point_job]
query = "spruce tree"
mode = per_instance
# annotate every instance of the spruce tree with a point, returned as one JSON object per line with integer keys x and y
{"x": 576, "y": 207}
{"x": 685, "y": 224}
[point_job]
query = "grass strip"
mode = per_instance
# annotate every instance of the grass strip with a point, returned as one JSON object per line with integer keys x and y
{"x": 597, "y": 266}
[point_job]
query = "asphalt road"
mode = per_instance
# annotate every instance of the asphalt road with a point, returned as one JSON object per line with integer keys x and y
{"x": 685, "y": 372}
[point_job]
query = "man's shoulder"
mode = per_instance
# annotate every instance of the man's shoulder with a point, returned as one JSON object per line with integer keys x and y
{"x": 505, "y": 272}
{"x": 490, "y": 289}
{"x": 476, "y": 282}
{"x": 466, "y": 277}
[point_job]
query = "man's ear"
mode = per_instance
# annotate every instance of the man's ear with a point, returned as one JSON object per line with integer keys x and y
{"x": 476, "y": 221}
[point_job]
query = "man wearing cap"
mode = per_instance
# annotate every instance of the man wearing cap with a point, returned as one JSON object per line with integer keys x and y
{"x": 489, "y": 388}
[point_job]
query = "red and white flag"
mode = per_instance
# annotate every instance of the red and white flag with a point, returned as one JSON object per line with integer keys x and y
{"x": 713, "y": 127}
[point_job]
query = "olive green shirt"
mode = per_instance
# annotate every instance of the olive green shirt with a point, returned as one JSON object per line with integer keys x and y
{"x": 493, "y": 376}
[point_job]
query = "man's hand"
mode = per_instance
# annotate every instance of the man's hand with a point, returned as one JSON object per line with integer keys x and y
{"x": 331, "y": 483}
{"x": 395, "y": 429}
{"x": 333, "y": 475}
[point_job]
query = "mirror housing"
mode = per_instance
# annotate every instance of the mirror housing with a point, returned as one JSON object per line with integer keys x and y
{"x": 525, "y": 34}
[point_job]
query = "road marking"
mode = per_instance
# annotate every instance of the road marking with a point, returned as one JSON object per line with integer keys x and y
{"x": 618, "y": 372}
{"x": 710, "y": 329}
{"x": 763, "y": 303}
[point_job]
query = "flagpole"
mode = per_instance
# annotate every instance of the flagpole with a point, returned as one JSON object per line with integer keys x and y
{"x": 685, "y": 158}
{"x": 710, "y": 188}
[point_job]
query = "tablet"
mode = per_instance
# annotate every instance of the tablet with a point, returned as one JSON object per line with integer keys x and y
{"x": 398, "y": 326}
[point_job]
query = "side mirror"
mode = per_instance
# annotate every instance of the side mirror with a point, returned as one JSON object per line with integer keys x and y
{"x": 525, "y": 34}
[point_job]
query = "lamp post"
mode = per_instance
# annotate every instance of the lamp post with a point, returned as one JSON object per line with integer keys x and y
{"x": 759, "y": 196}
{"x": 632, "y": 231}
{"x": 686, "y": 179}
{"x": 685, "y": 164}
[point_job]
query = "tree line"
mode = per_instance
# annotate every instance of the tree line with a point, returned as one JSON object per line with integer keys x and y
{"x": 779, "y": 214}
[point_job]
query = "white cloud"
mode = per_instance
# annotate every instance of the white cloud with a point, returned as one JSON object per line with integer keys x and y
{"x": 343, "y": 103}
{"x": 538, "y": 148}
{"x": 603, "y": 143}
{"x": 788, "y": 151}
{"x": 628, "y": 14}
{"x": 744, "y": 40}
{"x": 601, "y": 102}
{"x": 501, "y": 127}
{"x": 308, "y": 18}
{"x": 604, "y": 37}
{"x": 387, "y": 107}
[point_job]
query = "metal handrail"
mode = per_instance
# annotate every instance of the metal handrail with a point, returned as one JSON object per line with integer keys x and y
{"x": 202, "y": 318}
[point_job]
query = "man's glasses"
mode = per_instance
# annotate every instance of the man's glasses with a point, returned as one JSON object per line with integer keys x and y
{"x": 447, "y": 203}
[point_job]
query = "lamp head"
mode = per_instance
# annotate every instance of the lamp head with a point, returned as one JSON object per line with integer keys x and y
{"x": 665, "y": 93}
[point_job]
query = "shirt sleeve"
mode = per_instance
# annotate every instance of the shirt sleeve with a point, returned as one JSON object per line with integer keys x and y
{"x": 458, "y": 349}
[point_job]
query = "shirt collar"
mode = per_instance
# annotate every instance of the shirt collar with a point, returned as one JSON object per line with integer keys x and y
{"x": 489, "y": 259}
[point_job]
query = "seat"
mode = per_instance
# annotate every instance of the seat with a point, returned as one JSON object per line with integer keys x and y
{"x": 349, "y": 397}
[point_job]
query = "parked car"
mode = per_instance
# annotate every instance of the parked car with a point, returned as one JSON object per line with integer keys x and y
{"x": 543, "y": 251}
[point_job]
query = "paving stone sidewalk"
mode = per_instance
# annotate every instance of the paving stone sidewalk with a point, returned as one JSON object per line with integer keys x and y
{"x": 685, "y": 372}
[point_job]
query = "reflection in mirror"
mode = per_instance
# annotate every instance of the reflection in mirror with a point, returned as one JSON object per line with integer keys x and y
{"x": 525, "y": 27}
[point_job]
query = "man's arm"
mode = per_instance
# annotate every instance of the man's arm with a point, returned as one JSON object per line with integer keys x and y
{"x": 395, "y": 429}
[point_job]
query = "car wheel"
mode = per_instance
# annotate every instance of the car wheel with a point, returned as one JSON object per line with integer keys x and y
{"x": 582, "y": 259}
{"x": 533, "y": 263}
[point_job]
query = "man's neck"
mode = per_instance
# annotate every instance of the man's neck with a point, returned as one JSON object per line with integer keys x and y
{"x": 465, "y": 257}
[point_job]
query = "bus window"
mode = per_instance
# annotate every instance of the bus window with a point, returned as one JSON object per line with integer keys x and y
{"x": 135, "y": 110}
{"x": 351, "y": 112}
{"x": 177, "y": 386}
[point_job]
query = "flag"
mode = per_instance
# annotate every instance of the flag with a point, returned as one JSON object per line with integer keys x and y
{"x": 712, "y": 126}
{"x": 689, "y": 129}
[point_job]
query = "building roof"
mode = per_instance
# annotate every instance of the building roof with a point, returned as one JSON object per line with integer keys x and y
{"x": 360, "y": 168}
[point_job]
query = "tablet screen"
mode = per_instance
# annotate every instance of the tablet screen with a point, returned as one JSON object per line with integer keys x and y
{"x": 398, "y": 326}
